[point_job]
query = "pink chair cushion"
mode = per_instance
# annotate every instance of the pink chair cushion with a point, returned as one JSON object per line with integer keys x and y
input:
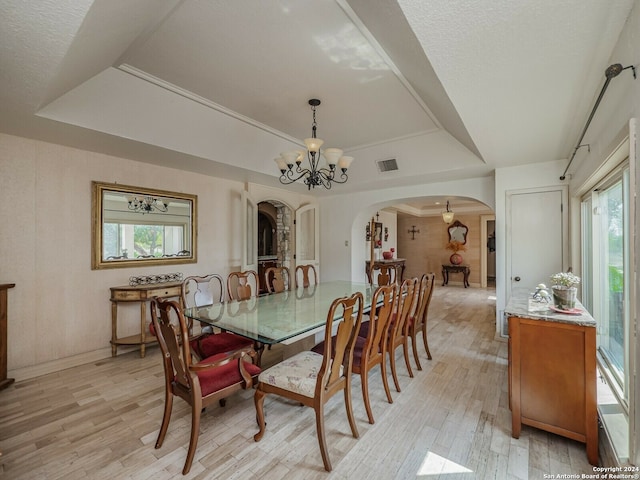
{"x": 219, "y": 343}
{"x": 224, "y": 376}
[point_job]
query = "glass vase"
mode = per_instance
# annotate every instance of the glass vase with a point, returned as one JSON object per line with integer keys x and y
{"x": 564, "y": 298}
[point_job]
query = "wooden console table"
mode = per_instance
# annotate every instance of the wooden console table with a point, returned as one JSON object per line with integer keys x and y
{"x": 141, "y": 294}
{"x": 398, "y": 263}
{"x": 552, "y": 373}
{"x": 447, "y": 269}
{"x": 4, "y": 381}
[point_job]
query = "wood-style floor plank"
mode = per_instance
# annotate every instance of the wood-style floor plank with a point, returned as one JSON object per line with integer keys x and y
{"x": 451, "y": 421}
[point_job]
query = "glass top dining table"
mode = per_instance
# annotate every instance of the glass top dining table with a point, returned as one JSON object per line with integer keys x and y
{"x": 278, "y": 317}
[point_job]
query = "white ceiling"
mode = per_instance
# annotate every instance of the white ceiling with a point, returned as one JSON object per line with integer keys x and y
{"x": 451, "y": 89}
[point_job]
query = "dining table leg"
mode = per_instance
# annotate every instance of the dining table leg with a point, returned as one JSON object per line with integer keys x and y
{"x": 259, "y": 348}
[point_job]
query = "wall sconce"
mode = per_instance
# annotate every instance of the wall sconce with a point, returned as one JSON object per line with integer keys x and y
{"x": 386, "y": 233}
{"x": 413, "y": 232}
{"x": 368, "y": 232}
{"x": 448, "y": 215}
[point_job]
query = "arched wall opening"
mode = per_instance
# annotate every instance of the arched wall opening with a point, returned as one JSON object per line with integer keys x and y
{"x": 344, "y": 218}
{"x": 417, "y": 233}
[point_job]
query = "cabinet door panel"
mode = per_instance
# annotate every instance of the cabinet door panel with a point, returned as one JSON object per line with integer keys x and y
{"x": 552, "y": 376}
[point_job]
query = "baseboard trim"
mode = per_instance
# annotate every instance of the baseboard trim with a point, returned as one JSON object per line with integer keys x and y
{"x": 33, "y": 371}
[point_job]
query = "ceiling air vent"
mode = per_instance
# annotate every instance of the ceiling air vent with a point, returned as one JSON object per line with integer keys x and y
{"x": 387, "y": 165}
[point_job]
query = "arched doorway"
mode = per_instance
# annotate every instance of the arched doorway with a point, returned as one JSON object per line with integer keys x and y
{"x": 275, "y": 246}
{"x": 420, "y": 236}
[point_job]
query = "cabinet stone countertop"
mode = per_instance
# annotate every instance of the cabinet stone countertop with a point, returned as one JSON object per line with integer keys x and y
{"x": 518, "y": 306}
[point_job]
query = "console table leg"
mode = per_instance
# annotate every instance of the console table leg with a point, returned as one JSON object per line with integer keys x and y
{"x": 143, "y": 326}
{"x": 114, "y": 329}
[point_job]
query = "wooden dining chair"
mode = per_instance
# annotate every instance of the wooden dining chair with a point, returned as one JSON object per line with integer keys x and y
{"x": 278, "y": 279}
{"x": 243, "y": 285}
{"x": 380, "y": 274}
{"x": 312, "y": 379}
{"x": 398, "y": 333}
{"x": 198, "y": 291}
{"x": 303, "y": 279}
{"x": 371, "y": 350}
{"x": 199, "y": 384}
{"x": 418, "y": 322}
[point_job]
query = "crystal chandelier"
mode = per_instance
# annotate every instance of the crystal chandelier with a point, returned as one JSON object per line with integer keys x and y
{"x": 147, "y": 204}
{"x": 315, "y": 175}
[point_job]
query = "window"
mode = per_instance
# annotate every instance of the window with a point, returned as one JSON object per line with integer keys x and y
{"x": 605, "y": 228}
{"x": 124, "y": 240}
{"x": 606, "y": 283}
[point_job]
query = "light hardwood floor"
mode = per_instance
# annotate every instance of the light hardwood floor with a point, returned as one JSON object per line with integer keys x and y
{"x": 100, "y": 420}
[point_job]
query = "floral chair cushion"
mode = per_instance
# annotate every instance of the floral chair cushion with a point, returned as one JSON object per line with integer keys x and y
{"x": 297, "y": 374}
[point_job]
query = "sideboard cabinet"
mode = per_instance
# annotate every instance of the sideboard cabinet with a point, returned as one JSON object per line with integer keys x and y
{"x": 552, "y": 374}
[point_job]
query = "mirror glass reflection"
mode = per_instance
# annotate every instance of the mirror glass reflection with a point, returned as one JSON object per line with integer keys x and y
{"x": 134, "y": 225}
{"x": 458, "y": 232}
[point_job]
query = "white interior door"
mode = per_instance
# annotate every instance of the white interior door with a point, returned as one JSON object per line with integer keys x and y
{"x": 536, "y": 237}
{"x": 308, "y": 236}
{"x": 249, "y": 233}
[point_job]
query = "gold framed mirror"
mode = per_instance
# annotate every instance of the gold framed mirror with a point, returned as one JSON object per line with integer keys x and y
{"x": 135, "y": 226}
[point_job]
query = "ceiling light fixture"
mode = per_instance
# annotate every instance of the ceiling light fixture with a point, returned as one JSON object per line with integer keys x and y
{"x": 147, "y": 204}
{"x": 448, "y": 215}
{"x": 314, "y": 175}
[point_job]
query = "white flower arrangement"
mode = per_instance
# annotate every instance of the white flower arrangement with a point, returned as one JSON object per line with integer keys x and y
{"x": 565, "y": 279}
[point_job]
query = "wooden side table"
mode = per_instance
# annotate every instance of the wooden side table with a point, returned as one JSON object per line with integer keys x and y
{"x": 447, "y": 269}
{"x": 4, "y": 381}
{"x": 141, "y": 294}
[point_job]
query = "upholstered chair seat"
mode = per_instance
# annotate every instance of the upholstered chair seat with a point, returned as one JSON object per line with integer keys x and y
{"x": 312, "y": 378}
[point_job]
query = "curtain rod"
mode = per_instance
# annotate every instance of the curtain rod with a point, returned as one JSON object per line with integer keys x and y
{"x": 611, "y": 72}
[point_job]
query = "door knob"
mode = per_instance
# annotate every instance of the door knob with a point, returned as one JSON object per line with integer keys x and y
{"x": 517, "y": 279}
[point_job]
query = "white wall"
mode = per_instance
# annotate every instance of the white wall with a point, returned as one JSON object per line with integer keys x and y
{"x": 343, "y": 218}
{"x": 610, "y": 125}
{"x": 522, "y": 177}
{"x": 60, "y": 307}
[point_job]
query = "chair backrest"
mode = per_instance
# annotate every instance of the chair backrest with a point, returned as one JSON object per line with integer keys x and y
{"x": 424, "y": 295}
{"x": 302, "y": 275}
{"x": 380, "y": 274}
{"x": 170, "y": 326}
{"x": 243, "y": 285}
{"x": 278, "y": 279}
{"x": 348, "y": 310}
{"x": 431, "y": 279}
{"x": 379, "y": 320}
{"x": 406, "y": 307}
{"x": 202, "y": 290}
